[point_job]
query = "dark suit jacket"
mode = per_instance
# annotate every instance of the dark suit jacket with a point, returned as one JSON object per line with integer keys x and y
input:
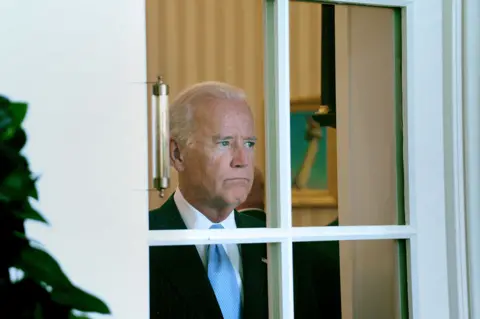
{"x": 320, "y": 263}
{"x": 179, "y": 285}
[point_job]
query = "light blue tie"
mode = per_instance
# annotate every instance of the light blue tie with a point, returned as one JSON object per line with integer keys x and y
{"x": 223, "y": 280}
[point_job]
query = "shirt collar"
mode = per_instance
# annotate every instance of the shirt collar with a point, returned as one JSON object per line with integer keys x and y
{"x": 253, "y": 208}
{"x": 194, "y": 219}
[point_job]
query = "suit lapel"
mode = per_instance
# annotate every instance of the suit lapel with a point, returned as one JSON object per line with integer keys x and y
{"x": 185, "y": 271}
{"x": 254, "y": 275}
{"x": 182, "y": 264}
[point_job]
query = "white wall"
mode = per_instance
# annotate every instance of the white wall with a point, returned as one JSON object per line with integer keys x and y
{"x": 75, "y": 62}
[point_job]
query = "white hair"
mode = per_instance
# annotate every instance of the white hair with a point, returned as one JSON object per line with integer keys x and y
{"x": 182, "y": 108}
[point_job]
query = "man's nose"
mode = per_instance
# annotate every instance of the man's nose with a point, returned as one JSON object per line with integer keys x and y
{"x": 239, "y": 158}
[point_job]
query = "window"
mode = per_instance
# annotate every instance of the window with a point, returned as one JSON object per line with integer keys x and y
{"x": 424, "y": 230}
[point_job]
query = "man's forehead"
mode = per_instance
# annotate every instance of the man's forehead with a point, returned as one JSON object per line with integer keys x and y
{"x": 225, "y": 119}
{"x": 212, "y": 108}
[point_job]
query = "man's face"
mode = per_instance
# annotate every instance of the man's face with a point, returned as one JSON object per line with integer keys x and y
{"x": 218, "y": 162}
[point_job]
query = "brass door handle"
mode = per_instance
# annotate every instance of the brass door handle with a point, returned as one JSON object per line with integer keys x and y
{"x": 160, "y": 136}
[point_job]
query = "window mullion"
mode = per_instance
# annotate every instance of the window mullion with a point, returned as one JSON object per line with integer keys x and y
{"x": 425, "y": 150}
{"x": 277, "y": 124}
{"x": 471, "y": 82}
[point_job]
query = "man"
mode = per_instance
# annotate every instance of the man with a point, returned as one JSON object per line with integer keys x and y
{"x": 212, "y": 149}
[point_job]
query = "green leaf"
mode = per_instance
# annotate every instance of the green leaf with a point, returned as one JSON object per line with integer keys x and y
{"x": 12, "y": 115}
{"x": 23, "y": 210}
{"x": 78, "y": 299}
{"x": 33, "y": 191}
{"x": 37, "y": 313}
{"x": 17, "y": 140}
{"x": 5, "y": 116}
{"x": 8, "y": 133}
{"x": 29, "y": 213}
{"x": 23, "y": 236}
{"x": 20, "y": 235}
{"x": 73, "y": 316}
{"x": 4, "y": 101}
{"x": 41, "y": 267}
{"x": 18, "y": 112}
{"x": 17, "y": 186}
{"x": 10, "y": 161}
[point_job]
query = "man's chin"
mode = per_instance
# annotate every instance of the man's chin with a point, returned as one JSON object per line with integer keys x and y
{"x": 236, "y": 199}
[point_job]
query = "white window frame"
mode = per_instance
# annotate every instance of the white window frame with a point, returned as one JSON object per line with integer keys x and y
{"x": 428, "y": 64}
{"x": 467, "y": 226}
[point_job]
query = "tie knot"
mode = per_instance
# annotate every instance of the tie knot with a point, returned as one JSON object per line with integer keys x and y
{"x": 216, "y": 226}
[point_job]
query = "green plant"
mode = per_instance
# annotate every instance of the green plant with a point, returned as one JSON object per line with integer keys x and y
{"x": 44, "y": 291}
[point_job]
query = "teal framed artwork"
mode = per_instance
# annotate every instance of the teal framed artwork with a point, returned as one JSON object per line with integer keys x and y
{"x": 313, "y": 157}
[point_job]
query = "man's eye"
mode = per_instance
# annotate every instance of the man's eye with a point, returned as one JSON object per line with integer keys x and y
{"x": 224, "y": 143}
{"x": 250, "y": 144}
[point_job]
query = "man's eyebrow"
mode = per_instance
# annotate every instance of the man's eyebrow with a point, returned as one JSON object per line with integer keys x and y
{"x": 229, "y": 138}
{"x": 222, "y": 138}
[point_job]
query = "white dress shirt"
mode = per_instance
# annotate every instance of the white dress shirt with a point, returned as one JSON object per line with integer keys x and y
{"x": 193, "y": 219}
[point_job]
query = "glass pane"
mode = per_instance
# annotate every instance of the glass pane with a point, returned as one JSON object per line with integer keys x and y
{"x": 205, "y": 281}
{"x": 207, "y": 40}
{"x": 351, "y": 174}
{"x": 350, "y": 279}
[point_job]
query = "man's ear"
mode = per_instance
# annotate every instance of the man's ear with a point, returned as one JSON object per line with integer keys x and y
{"x": 176, "y": 157}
